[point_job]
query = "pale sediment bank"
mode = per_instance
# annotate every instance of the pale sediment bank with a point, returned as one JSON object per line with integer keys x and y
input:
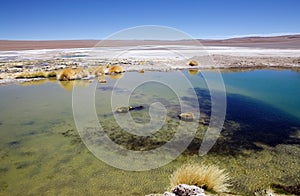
{"x": 146, "y": 58}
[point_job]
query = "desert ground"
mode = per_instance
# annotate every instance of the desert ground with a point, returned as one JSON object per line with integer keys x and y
{"x": 282, "y": 42}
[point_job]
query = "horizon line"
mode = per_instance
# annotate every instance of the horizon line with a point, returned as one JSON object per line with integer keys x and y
{"x": 205, "y": 38}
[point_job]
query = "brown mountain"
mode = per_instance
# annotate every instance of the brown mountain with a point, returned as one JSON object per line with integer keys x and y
{"x": 284, "y": 42}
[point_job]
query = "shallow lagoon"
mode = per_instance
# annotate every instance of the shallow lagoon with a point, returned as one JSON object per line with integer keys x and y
{"x": 41, "y": 151}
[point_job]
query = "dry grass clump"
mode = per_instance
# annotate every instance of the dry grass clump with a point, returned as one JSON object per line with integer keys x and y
{"x": 31, "y": 75}
{"x": 51, "y": 74}
{"x": 209, "y": 177}
{"x": 38, "y": 74}
{"x": 193, "y": 63}
{"x": 68, "y": 74}
{"x": 116, "y": 69}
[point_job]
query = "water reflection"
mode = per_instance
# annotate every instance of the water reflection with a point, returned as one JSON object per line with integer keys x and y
{"x": 37, "y": 82}
{"x": 193, "y": 71}
{"x": 68, "y": 85}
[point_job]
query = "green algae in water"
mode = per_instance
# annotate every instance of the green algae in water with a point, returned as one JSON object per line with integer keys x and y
{"x": 41, "y": 151}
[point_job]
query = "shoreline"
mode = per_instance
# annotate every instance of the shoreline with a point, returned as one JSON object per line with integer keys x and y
{"x": 13, "y": 64}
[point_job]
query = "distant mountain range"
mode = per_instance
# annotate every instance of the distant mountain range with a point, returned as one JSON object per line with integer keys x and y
{"x": 283, "y": 42}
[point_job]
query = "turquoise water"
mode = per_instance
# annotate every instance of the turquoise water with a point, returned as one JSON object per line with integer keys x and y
{"x": 41, "y": 151}
{"x": 277, "y": 88}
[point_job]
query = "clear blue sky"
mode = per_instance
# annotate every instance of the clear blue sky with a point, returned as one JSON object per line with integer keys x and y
{"x": 96, "y": 19}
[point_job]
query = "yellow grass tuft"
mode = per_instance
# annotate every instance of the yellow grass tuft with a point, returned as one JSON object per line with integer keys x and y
{"x": 30, "y": 75}
{"x": 115, "y": 69}
{"x": 37, "y": 74}
{"x": 193, "y": 63}
{"x": 51, "y": 74}
{"x": 210, "y": 177}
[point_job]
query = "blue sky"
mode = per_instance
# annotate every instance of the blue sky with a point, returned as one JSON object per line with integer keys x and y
{"x": 96, "y": 19}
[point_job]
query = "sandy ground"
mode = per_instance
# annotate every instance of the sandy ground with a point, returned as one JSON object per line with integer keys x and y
{"x": 162, "y": 57}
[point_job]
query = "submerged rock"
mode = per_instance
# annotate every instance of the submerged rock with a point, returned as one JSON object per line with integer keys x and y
{"x": 122, "y": 109}
{"x": 125, "y": 109}
{"x": 187, "y": 116}
{"x": 186, "y": 190}
{"x": 136, "y": 107}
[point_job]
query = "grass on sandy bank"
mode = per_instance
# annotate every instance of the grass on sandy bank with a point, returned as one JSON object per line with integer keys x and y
{"x": 209, "y": 177}
{"x": 36, "y": 75}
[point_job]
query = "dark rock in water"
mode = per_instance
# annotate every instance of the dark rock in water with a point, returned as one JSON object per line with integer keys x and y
{"x": 136, "y": 108}
{"x": 186, "y": 190}
{"x": 188, "y": 116}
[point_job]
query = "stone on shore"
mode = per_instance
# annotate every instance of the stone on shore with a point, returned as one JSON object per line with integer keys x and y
{"x": 185, "y": 190}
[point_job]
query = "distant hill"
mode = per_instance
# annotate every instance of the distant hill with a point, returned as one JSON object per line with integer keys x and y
{"x": 284, "y": 42}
